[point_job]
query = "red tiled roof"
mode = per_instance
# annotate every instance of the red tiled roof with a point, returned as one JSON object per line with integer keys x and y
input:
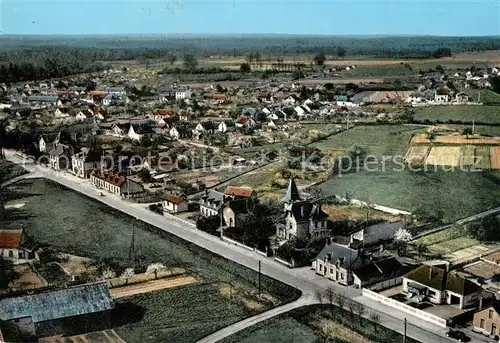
{"x": 98, "y": 93}
{"x": 111, "y": 178}
{"x": 164, "y": 112}
{"x": 243, "y": 120}
{"x": 10, "y": 239}
{"x": 173, "y": 198}
{"x": 246, "y": 192}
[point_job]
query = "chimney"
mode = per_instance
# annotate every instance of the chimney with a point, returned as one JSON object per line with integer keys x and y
{"x": 430, "y": 273}
{"x": 302, "y": 211}
{"x": 481, "y": 302}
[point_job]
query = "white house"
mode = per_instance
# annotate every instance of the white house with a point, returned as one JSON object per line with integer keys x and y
{"x": 59, "y": 114}
{"x": 13, "y": 246}
{"x": 222, "y": 127}
{"x": 211, "y": 203}
{"x": 80, "y": 116}
{"x": 174, "y": 203}
{"x": 60, "y": 157}
{"x": 84, "y": 162}
{"x": 182, "y": 93}
{"x": 336, "y": 263}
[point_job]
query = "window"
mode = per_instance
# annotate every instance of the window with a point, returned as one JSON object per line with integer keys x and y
{"x": 431, "y": 293}
{"x": 341, "y": 276}
{"x": 11, "y": 253}
{"x": 490, "y": 314}
{"x": 331, "y": 270}
{"x": 320, "y": 268}
{"x": 481, "y": 324}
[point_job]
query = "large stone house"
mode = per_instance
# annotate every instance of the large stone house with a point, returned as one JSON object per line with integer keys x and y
{"x": 14, "y": 245}
{"x": 60, "y": 157}
{"x": 47, "y": 141}
{"x": 240, "y": 192}
{"x": 211, "y": 203}
{"x": 302, "y": 218}
{"x": 84, "y": 162}
{"x": 439, "y": 286}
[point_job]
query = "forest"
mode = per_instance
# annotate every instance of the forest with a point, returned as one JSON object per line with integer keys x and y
{"x": 43, "y": 57}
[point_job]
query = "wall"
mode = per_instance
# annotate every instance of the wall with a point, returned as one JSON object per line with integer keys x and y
{"x": 379, "y": 286}
{"x": 486, "y": 329}
{"x": 405, "y": 308}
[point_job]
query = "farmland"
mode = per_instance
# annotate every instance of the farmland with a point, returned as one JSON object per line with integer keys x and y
{"x": 93, "y": 230}
{"x": 457, "y": 193}
{"x": 377, "y": 140}
{"x": 464, "y": 114}
{"x": 444, "y": 156}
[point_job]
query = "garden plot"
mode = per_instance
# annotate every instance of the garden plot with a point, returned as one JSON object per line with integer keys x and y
{"x": 467, "y": 156}
{"x": 482, "y": 158}
{"x": 495, "y": 157}
{"x": 444, "y": 156}
{"x": 470, "y": 252}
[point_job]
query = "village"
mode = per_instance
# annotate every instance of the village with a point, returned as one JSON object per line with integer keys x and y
{"x": 245, "y": 162}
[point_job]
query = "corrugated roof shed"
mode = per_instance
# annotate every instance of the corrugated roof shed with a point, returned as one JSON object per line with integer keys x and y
{"x": 69, "y": 302}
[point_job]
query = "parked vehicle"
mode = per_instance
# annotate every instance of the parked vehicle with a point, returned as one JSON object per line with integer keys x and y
{"x": 458, "y": 335}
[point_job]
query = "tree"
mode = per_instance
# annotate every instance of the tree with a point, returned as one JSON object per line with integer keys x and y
{"x": 245, "y": 68}
{"x": 467, "y": 132}
{"x": 319, "y": 296}
{"x": 401, "y": 247}
{"x": 7, "y": 272}
{"x": 440, "y": 69}
{"x": 171, "y": 58}
{"x": 351, "y": 305}
{"x": 340, "y": 300}
{"x": 330, "y": 297}
{"x": 375, "y": 319}
{"x": 320, "y": 59}
{"x": 208, "y": 224}
{"x": 341, "y": 51}
{"x": 360, "y": 311}
{"x": 145, "y": 141}
{"x": 145, "y": 175}
{"x": 397, "y": 84}
{"x": 127, "y": 274}
{"x": 402, "y": 235}
{"x": 495, "y": 83}
{"x": 190, "y": 62}
{"x": 154, "y": 268}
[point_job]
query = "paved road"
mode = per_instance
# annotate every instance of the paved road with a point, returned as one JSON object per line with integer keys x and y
{"x": 301, "y": 278}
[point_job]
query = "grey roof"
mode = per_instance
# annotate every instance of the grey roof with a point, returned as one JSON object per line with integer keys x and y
{"x": 115, "y": 89}
{"x": 69, "y": 302}
{"x": 43, "y": 98}
{"x": 292, "y": 193}
{"x": 212, "y": 199}
{"x": 305, "y": 210}
{"x": 382, "y": 232}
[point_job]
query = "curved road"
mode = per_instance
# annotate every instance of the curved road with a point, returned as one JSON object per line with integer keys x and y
{"x": 301, "y": 278}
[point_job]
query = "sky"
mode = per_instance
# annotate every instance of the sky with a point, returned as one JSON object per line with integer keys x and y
{"x": 333, "y": 17}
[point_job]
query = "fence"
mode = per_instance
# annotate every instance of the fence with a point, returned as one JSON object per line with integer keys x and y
{"x": 288, "y": 264}
{"x": 379, "y": 286}
{"x": 182, "y": 221}
{"x": 405, "y": 308}
{"x": 237, "y": 243}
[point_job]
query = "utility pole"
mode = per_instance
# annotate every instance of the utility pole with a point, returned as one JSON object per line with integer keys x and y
{"x": 404, "y": 337}
{"x": 473, "y": 126}
{"x": 260, "y": 262}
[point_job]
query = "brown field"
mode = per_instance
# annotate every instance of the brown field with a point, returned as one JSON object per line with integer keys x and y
{"x": 467, "y": 155}
{"x": 482, "y": 157}
{"x": 151, "y": 286}
{"x": 444, "y": 156}
{"x": 423, "y": 139}
{"x": 108, "y": 336}
{"x": 417, "y": 155}
{"x": 495, "y": 157}
{"x": 336, "y": 212}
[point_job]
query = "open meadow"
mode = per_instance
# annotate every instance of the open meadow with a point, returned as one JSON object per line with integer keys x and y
{"x": 457, "y": 113}
{"x": 70, "y": 222}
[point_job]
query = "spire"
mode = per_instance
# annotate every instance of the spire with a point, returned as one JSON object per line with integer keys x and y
{"x": 292, "y": 193}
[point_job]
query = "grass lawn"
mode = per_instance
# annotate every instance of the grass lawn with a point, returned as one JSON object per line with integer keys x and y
{"x": 9, "y": 170}
{"x": 377, "y": 140}
{"x": 379, "y": 70}
{"x": 486, "y": 96}
{"x": 484, "y": 130}
{"x": 466, "y": 114}
{"x": 447, "y": 241}
{"x": 457, "y": 193}
{"x": 75, "y": 224}
{"x": 312, "y": 324}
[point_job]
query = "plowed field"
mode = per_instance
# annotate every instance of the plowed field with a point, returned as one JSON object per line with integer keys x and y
{"x": 495, "y": 157}
{"x": 444, "y": 156}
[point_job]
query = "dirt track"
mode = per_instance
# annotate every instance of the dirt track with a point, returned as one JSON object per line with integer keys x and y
{"x": 151, "y": 286}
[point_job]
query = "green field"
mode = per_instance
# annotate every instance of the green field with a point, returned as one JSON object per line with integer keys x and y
{"x": 305, "y": 325}
{"x": 485, "y": 96}
{"x": 465, "y": 114}
{"x": 9, "y": 170}
{"x": 447, "y": 241}
{"x": 377, "y": 140}
{"x": 485, "y": 130}
{"x": 73, "y": 223}
{"x": 457, "y": 193}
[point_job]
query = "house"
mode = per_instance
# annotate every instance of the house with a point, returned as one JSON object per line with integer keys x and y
{"x": 378, "y": 271}
{"x": 115, "y": 183}
{"x": 302, "y": 218}
{"x": 174, "y": 203}
{"x": 226, "y": 126}
{"x": 80, "y": 116}
{"x": 211, "y": 203}
{"x": 234, "y": 208}
{"x": 205, "y": 127}
{"x": 462, "y": 98}
{"x": 487, "y": 320}
{"x": 59, "y": 114}
{"x": 336, "y": 262}
{"x": 415, "y": 98}
{"x": 60, "y": 156}
{"x": 47, "y": 141}
{"x": 175, "y": 93}
{"x": 441, "y": 98}
{"x": 14, "y": 245}
{"x": 180, "y": 132}
{"x": 84, "y": 162}
{"x": 137, "y": 131}
{"x": 118, "y": 91}
{"x": 46, "y": 313}
{"x": 440, "y": 286}
{"x": 371, "y": 235}
{"x": 245, "y": 121}
{"x": 240, "y": 192}
{"x": 44, "y": 100}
